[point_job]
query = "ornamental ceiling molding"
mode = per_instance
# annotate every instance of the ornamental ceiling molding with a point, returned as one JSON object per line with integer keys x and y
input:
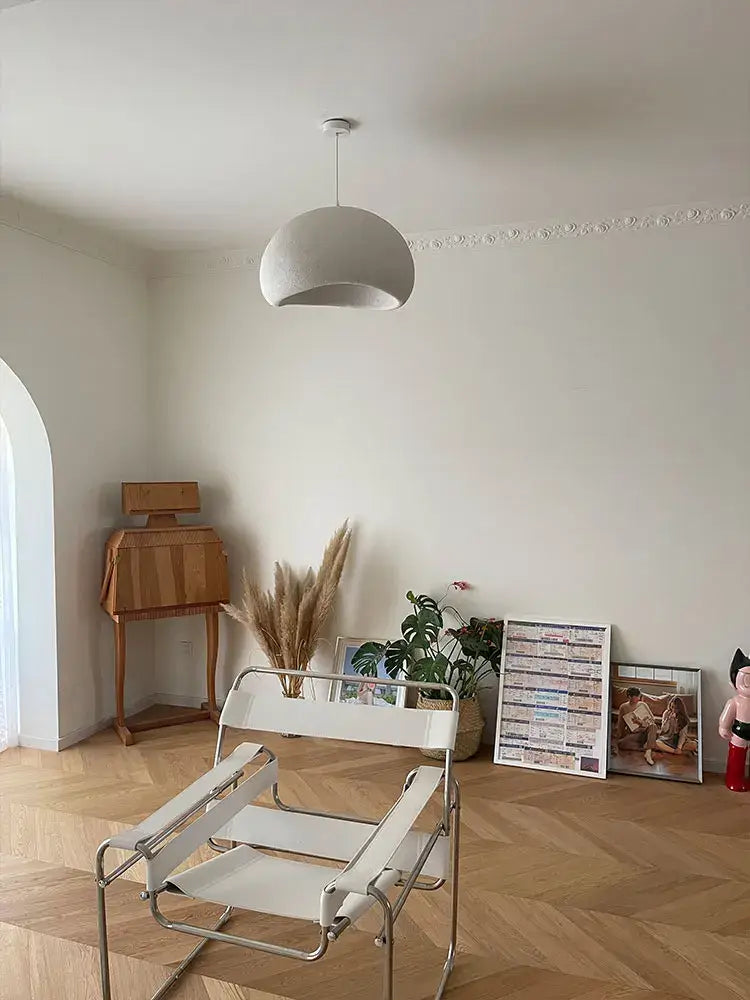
{"x": 169, "y": 264}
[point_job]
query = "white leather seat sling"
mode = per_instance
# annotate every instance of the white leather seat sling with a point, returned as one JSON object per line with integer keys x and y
{"x": 374, "y": 857}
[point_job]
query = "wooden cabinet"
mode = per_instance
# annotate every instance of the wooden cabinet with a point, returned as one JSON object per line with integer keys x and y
{"x": 163, "y": 570}
{"x": 155, "y": 569}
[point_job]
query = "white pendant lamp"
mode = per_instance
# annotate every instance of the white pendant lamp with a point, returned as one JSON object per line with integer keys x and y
{"x": 337, "y": 255}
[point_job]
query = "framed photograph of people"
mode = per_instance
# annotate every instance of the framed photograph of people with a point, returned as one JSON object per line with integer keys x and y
{"x": 353, "y": 688}
{"x": 655, "y": 722}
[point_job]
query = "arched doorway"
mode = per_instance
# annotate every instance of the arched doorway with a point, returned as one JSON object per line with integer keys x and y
{"x": 8, "y": 624}
{"x": 28, "y": 631}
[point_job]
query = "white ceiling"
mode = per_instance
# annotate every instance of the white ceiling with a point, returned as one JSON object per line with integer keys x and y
{"x": 192, "y": 123}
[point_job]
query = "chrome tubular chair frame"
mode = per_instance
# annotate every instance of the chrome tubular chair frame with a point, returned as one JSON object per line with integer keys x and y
{"x": 146, "y": 848}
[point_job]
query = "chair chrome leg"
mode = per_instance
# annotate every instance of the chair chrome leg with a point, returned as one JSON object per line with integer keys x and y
{"x": 102, "y": 922}
{"x": 388, "y": 962}
{"x": 386, "y": 939}
{"x": 455, "y": 832}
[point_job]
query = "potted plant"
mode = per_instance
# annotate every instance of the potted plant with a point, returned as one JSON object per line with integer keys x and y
{"x": 464, "y": 657}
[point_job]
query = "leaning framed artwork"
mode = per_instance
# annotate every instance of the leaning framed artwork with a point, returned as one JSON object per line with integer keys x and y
{"x": 353, "y": 687}
{"x": 553, "y": 696}
{"x": 655, "y": 722}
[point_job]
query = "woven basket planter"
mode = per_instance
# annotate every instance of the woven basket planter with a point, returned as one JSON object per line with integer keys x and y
{"x": 470, "y": 726}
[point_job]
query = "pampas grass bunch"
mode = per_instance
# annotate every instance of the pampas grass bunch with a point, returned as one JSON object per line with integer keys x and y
{"x": 288, "y": 620}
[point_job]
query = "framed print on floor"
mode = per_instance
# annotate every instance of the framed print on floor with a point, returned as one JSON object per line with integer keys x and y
{"x": 354, "y": 687}
{"x": 655, "y": 722}
{"x": 553, "y": 696}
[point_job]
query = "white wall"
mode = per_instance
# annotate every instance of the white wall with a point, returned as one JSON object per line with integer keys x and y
{"x": 74, "y": 329}
{"x": 564, "y": 425}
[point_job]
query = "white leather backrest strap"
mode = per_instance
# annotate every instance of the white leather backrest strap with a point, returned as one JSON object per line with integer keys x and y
{"x": 176, "y": 806}
{"x": 407, "y": 727}
{"x": 182, "y": 844}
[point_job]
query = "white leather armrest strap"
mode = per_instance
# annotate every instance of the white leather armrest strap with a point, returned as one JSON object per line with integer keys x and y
{"x": 189, "y": 839}
{"x": 390, "y": 833}
{"x": 171, "y": 810}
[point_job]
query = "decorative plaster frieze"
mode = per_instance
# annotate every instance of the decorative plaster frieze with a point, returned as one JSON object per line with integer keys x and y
{"x": 179, "y": 263}
{"x": 510, "y": 235}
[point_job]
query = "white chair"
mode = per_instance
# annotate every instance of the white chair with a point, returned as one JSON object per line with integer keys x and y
{"x": 375, "y": 855}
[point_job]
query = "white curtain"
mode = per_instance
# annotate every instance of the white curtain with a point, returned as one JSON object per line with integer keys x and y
{"x": 8, "y": 617}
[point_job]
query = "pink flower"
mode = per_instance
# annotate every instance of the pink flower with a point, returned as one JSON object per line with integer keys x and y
{"x": 461, "y": 585}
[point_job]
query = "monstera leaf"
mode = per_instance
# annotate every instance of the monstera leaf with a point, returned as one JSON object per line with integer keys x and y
{"x": 423, "y": 602}
{"x": 422, "y": 629}
{"x": 368, "y": 656}
{"x": 431, "y": 669}
{"x": 399, "y": 656}
{"x": 396, "y": 657}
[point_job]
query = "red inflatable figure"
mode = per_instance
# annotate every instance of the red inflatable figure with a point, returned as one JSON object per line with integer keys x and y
{"x": 734, "y": 724}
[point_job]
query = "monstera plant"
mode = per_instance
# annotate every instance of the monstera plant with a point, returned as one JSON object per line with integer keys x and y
{"x": 464, "y": 656}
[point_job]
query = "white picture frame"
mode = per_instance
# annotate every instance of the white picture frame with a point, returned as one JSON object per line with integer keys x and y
{"x": 340, "y": 691}
{"x": 553, "y": 696}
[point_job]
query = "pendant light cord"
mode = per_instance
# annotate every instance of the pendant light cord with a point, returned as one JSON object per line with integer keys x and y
{"x": 336, "y": 167}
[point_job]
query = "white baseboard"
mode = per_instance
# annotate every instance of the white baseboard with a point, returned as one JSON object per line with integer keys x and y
{"x": 37, "y": 743}
{"x": 84, "y": 732}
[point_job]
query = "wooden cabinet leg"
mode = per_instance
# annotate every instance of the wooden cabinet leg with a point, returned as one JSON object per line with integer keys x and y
{"x": 212, "y": 654}
{"x": 120, "y": 728}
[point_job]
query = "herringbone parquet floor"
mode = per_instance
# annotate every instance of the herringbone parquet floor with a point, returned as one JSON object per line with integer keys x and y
{"x": 573, "y": 889}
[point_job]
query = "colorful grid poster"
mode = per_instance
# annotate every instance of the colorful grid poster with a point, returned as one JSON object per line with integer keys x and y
{"x": 553, "y": 698}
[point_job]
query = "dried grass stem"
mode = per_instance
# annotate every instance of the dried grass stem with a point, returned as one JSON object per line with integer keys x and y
{"x": 288, "y": 621}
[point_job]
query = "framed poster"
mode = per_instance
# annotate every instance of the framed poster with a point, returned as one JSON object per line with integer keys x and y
{"x": 552, "y": 705}
{"x": 655, "y": 722}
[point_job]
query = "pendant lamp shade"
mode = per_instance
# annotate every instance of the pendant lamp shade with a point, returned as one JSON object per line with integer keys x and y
{"x": 337, "y": 256}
